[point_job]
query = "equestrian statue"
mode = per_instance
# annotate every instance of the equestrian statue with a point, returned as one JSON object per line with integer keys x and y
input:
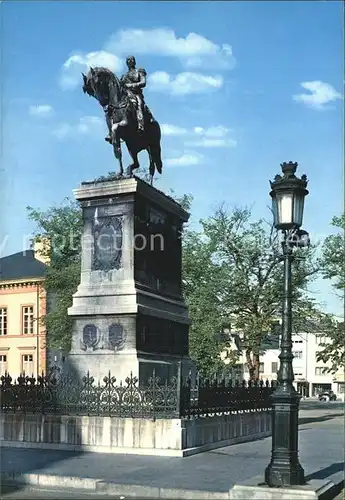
{"x": 127, "y": 115}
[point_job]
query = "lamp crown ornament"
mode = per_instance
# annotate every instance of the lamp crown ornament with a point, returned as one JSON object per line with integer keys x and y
{"x": 289, "y": 177}
{"x": 289, "y": 168}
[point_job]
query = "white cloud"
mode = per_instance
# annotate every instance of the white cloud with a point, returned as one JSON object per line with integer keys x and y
{"x": 80, "y": 62}
{"x": 321, "y": 93}
{"x": 185, "y": 160}
{"x": 85, "y": 125}
{"x": 41, "y": 110}
{"x": 212, "y": 137}
{"x": 213, "y": 143}
{"x": 184, "y": 83}
{"x": 216, "y": 131}
{"x": 62, "y": 130}
{"x": 89, "y": 123}
{"x": 194, "y": 50}
{"x": 168, "y": 129}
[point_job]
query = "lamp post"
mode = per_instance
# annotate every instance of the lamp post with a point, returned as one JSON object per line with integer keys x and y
{"x": 288, "y": 193}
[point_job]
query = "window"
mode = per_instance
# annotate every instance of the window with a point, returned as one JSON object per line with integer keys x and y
{"x": 262, "y": 368}
{"x": 320, "y": 339}
{"x": 3, "y": 364}
{"x": 341, "y": 388}
{"x": 298, "y": 374}
{"x": 297, "y": 354}
{"x": 297, "y": 341}
{"x": 28, "y": 364}
{"x": 28, "y": 320}
{"x": 274, "y": 367}
{"x": 317, "y": 388}
{"x": 320, "y": 370}
{"x": 3, "y": 321}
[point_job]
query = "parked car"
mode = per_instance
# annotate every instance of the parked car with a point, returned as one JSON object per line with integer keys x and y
{"x": 327, "y": 396}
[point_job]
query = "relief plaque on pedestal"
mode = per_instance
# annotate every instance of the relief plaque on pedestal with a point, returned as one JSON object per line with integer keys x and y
{"x": 107, "y": 238}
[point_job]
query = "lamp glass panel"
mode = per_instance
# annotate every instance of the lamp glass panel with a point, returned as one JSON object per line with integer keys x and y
{"x": 275, "y": 210}
{"x": 285, "y": 207}
{"x": 298, "y": 209}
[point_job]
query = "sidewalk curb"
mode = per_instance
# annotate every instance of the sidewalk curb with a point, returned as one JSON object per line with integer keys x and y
{"x": 100, "y": 486}
{"x": 107, "y": 487}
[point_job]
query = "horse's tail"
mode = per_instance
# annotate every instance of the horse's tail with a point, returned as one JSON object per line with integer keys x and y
{"x": 155, "y": 147}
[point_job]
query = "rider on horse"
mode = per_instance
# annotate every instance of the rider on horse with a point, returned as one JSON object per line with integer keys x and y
{"x": 126, "y": 112}
{"x": 133, "y": 82}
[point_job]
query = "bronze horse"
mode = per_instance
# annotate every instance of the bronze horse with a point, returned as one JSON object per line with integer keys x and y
{"x": 103, "y": 85}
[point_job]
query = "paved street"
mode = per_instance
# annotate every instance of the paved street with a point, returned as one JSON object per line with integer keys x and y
{"x": 212, "y": 473}
{"x": 315, "y": 404}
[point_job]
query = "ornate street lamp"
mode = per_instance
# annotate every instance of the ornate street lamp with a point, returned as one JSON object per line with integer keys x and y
{"x": 288, "y": 193}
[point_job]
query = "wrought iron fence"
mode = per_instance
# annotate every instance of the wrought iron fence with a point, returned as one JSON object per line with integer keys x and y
{"x": 61, "y": 394}
{"x": 219, "y": 397}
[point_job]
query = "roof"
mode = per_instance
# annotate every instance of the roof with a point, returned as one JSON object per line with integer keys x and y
{"x": 21, "y": 265}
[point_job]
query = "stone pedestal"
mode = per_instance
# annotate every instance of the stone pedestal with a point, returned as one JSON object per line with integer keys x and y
{"x": 129, "y": 314}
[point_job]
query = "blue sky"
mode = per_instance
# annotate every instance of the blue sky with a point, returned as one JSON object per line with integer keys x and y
{"x": 238, "y": 87}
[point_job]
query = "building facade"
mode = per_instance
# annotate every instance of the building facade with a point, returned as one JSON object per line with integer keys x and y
{"x": 311, "y": 376}
{"x": 23, "y": 346}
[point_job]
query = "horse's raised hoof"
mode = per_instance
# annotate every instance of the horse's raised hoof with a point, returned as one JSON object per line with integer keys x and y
{"x": 108, "y": 139}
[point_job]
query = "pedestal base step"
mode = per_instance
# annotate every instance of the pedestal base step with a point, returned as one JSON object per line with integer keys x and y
{"x": 315, "y": 489}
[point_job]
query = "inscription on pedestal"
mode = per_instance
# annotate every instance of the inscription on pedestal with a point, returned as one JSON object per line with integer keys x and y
{"x": 107, "y": 238}
{"x": 110, "y": 211}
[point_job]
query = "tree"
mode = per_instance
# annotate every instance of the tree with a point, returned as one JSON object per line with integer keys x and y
{"x": 61, "y": 226}
{"x": 234, "y": 275}
{"x": 333, "y": 351}
{"x": 201, "y": 277}
{"x": 333, "y": 268}
{"x": 333, "y": 255}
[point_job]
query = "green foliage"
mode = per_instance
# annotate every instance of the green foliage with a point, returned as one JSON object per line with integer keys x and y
{"x": 112, "y": 176}
{"x": 59, "y": 229}
{"x": 333, "y": 255}
{"x": 233, "y": 275}
{"x": 333, "y": 268}
{"x": 144, "y": 174}
{"x": 333, "y": 351}
{"x": 201, "y": 284}
{"x": 185, "y": 200}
